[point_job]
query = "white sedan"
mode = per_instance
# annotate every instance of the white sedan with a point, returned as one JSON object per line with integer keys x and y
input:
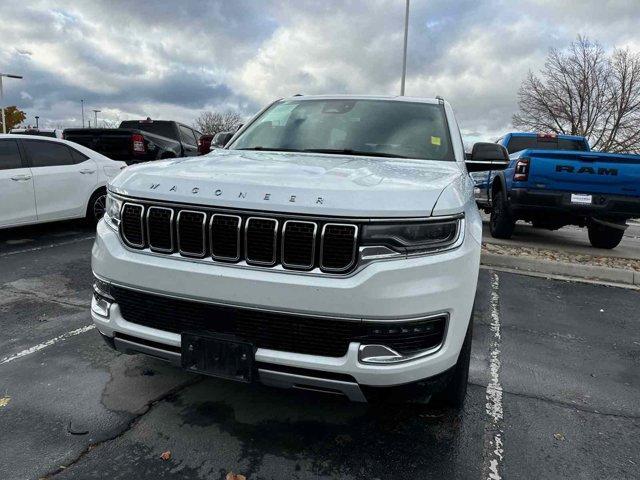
{"x": 47, "y": 179}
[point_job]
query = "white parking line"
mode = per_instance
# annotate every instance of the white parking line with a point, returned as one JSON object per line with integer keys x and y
{"x": 51, "y": 245}
{"x": 494, "y": 448}
{"x": 46, "y": 344}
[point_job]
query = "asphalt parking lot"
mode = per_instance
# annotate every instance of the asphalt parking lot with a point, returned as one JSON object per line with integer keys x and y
{"x": 554, "y": 389}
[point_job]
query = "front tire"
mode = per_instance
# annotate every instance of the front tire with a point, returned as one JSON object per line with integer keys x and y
{"x": 602, "y": 236}
{"x": 455, "y": 391}
{"x": 501, "y": 223}
{"x": 97, "y": 206}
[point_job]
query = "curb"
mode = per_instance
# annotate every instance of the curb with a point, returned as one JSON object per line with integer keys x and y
{"x": 587, "y": 272}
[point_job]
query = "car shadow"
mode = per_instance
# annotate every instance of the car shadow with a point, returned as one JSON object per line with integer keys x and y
{"x": 30, "y": 236}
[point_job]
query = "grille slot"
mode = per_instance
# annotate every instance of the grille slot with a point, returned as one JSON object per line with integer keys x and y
{"x": 160, "y": 229}
{"x": 261, "y": 240}
{"x": 225, "y": 237}
{"x": 191, "y": 233}
{"x": 299, "y": 244}
{"x": 131, "y": 226}
{"x": 276, "y": 331}
{"x": 338, "y": 247}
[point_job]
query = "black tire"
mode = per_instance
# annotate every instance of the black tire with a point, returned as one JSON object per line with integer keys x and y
{"x": 96, "y": 207}
{"x": 602, "y": 236}
{"x": 501, "y": 223}
{"x": 454, "y": 393}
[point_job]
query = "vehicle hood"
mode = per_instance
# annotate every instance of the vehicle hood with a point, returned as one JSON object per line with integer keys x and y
{"x": 306, "y": 183}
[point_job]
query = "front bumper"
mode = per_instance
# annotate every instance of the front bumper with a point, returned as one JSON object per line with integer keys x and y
{"x": 523, "y": 201}
{"x": 384, "y": 291}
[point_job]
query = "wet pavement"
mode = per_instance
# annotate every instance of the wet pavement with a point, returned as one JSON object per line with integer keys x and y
{"x": 554, "y": 388}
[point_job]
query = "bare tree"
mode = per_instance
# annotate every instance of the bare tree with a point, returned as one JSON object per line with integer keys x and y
{"x": 109, "y": 123}
{"x": 214, "y": 122}
{"x": 582, "y": 91}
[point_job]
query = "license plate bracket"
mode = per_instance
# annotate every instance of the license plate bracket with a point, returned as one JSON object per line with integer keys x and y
{"x": 220, "y": 356}
{"x": 581, "y": 198}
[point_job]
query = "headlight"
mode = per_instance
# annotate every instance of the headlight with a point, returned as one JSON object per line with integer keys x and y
{"x": 112, "y": 212}
{"x": 413, "y": 237}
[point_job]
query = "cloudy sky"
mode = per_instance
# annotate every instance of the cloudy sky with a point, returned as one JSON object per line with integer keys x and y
{"x": 174, "y": 59}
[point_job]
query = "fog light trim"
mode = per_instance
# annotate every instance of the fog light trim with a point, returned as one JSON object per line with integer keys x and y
{"x": 374, "y": 354}
{"x": 100, "y": 305}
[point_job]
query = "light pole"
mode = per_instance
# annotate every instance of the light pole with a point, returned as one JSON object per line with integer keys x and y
{"x": 37, "y": 118}
{"x": 95, "y": 118}
{"x": 82, "y": 107}
{"x": 4, "y": 122}
{"x": 404, "y": 54}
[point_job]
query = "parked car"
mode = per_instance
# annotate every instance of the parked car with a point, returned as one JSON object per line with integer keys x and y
{"x": 209, "y": 142}
{"x": 333, "y": 245}
{"x": 41, "y": 132}
{"x": 204, "y": 144}
{"x": 46, "y": 179}
{"x": 136, "y": 141}
{"x": 555, "y": 180}
{"x": 221, "y": 139}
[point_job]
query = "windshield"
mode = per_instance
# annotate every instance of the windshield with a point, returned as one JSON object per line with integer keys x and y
{"x": 382, "y": 128}
{"x": 517, "y": 144}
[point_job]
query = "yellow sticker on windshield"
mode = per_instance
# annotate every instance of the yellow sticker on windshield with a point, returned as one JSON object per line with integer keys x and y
{"x": 435, "y": 141}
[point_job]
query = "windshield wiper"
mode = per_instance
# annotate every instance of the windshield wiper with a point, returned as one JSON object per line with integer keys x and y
{"x": 269, "y": 149}
{"x": 337, "y": 151}
{"x": 349, "y": 151}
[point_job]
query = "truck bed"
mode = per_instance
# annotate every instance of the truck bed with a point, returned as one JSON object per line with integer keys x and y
{"x": 114, "y": 143}
{"x": 582, "y": 172}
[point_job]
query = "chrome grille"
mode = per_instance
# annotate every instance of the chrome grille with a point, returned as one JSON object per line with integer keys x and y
{"x": 160, "y": 229}
{"x": 338, "y": 247}
{"x": 296, "y": 244}
{"x": 225, "y": 237}
{"x": 261, "y": 237}
{"x": 131, "y": 226}
{"x": 299, "y": 244}
{"x": 191, "y": 233}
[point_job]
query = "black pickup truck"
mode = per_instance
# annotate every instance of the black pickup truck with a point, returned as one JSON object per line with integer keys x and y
{"x": 136, "y": 141}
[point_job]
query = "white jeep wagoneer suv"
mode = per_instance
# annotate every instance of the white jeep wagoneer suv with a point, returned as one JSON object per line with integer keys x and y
{"x": 332, "y": 245}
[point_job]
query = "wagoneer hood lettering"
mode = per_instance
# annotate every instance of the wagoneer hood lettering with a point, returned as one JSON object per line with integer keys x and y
{"x": 318, "y": 184}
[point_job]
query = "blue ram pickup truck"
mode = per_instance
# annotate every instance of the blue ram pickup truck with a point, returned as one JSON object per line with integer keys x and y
{"x": 556, "y": 180}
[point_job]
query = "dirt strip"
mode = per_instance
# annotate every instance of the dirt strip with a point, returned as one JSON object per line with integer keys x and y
{"x": 565, "y": 257}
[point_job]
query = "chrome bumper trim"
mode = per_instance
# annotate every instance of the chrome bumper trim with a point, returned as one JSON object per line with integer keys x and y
{"x": 267, "y": 377}
{"x": 127, "y": 346}
{"x": 302, "y": 382}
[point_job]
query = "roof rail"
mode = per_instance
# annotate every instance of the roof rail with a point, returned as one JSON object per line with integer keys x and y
{"x": 298, "y": 95}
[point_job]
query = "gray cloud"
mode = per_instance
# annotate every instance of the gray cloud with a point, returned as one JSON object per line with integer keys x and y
{"x": 175, "y": 59}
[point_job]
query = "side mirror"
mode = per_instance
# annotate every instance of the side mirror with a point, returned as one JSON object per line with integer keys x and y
{"x": 221, "y": 139}
{"x": 487, "y": 156}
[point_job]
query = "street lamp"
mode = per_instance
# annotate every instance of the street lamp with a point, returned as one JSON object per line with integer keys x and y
{"x": 404, "y": 53}
{"x": 82, "y": 107}
{"x": 95, "y": 118}
{"x": 4, "y": 122}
